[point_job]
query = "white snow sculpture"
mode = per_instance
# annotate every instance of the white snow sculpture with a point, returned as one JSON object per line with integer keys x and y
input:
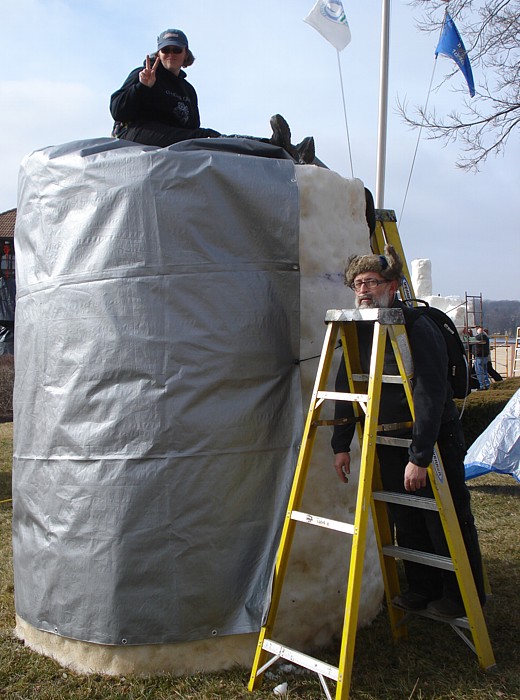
{"x": 422, "y": 277}
{"x": 453, "y": 306}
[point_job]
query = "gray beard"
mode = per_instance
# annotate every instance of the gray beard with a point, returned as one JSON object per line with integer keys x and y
{"x": 384, "y": 302}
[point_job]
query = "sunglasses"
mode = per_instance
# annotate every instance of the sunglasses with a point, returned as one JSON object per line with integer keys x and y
{"x": 172, "y": 49}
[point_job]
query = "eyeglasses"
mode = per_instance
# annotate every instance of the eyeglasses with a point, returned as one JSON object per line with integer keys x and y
{"x": 172, "y": 49}
{"x": 369, "y": 284}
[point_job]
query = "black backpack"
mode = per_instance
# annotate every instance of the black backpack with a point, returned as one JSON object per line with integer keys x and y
{"x": 458, "y": 370}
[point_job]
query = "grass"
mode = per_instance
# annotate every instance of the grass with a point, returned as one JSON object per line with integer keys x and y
{"x": 432, "y": 664}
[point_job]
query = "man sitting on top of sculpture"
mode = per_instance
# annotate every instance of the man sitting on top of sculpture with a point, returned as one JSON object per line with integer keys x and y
{"x": 375, "y": 280}
{"x": 157, "y": 106}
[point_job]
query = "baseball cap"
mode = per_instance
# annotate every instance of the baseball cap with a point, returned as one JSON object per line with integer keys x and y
{"x": 172, "y": 37}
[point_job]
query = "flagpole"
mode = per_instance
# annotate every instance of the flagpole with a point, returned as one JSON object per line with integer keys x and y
{"x": 383, "y": 106}
{"x": 345, "y": 114}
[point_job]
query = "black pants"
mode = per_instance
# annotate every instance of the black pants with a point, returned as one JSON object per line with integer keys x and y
{"x": 422, "y": 529}
{"x": 159, "y": 134}
{"x": 162, "y": 135}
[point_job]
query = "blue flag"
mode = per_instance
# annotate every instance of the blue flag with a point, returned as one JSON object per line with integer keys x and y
{"x": 451, "y": 45}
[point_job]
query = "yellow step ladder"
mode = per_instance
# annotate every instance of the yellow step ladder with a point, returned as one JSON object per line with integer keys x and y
{"x": 386, "y": 232}
{"x": 364, "y": 394}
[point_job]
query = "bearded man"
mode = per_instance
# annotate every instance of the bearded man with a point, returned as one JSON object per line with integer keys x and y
{"x": 375, "y": 280}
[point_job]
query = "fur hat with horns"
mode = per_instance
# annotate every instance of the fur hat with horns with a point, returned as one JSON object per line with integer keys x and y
{"x": 388, "y": 265}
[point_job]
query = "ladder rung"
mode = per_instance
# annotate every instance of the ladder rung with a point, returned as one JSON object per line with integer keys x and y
{"x": 406, "y": 500}
{"x": 385, "y": 378}
{"x": 427, "y": 558}
{"x": 454, "y": 622}
{"x": 322, "y": 522}
{"x": 297, "y": 657}
{"x": 385, "y": 316}
{"x": 337, "y": 421}
{"x": 386, "y": 427}
{"x": 396, "y": 442}
{"x": 391, "y": 379}
{"x": 341, "y": 396}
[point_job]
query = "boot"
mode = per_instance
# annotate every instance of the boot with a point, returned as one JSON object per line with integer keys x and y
{"x": 306, "y": 150}
{"x": 281, "y": 132}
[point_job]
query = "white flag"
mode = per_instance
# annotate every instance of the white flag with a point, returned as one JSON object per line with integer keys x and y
{"x": 329, "y": 19}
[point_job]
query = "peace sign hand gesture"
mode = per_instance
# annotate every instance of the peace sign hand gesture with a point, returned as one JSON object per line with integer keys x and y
{"x": 147, "y": 75}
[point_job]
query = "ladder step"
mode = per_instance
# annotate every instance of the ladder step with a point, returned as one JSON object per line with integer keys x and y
{"x": 322, "y": 522}
{"x": 297, "y": 657}
{"x": 434, "y": 560}
{"x": 341, "y": 396}
{"x": 406, "y": 500}
{"x": 386, "y": 427}
{"x": 396, "y": 442}
{"x": 385, "y": 378}
{"x": 391, "y": 316}
{"x": 336, "y": 421}
{"x": 461, "y": 622}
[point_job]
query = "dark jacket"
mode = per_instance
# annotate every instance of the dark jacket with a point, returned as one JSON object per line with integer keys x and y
{"x": 432, "y": 393}
{"x": 171, "y": 101}
{"x": 481, "y": 347}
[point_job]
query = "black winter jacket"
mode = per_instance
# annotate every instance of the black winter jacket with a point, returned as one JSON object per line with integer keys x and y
{"x": 171, "y": 101}
{"x": 432, "y": 393}
{"x": 481, "y": 347}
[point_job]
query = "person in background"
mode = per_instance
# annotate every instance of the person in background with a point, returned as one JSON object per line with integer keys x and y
{"x": 375, "y": 280}
{"x": 481, "y": 350}
{"x": 157, "y": 106}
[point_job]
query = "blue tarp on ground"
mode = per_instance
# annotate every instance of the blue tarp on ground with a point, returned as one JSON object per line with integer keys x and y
{"x": 497, "y": 449}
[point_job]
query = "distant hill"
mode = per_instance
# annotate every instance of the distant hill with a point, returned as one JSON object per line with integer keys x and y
{"x": 502, "y": 317}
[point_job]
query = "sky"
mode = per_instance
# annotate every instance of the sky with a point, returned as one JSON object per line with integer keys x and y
{"x": 63, "y": 59}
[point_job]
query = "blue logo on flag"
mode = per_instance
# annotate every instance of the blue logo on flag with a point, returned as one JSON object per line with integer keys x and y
{"x": 333, "y": 11}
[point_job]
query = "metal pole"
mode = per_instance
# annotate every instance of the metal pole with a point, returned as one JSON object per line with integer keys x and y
{"x": 383, "y": 106}
{"x": 345, "y": 113}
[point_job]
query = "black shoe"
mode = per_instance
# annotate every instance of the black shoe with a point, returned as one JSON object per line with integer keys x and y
{"x": 446, "y": 607}
{"x": 306, "y": 150}
{"x": 281, "y": 132}
{"x": 411, "y": 601}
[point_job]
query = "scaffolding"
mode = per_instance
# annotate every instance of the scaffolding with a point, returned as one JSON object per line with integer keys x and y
{"x": 516, "y": 357}
{"x": 500, "y": 348}
{"x": 501, "y": 354}
{"x": 474, "y": 316}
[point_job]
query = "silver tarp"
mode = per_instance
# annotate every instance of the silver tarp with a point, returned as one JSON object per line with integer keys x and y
{"x": 157, "y": 393}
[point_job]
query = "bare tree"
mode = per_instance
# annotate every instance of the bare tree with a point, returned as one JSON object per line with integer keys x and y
{"x": 490, "y": 30}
